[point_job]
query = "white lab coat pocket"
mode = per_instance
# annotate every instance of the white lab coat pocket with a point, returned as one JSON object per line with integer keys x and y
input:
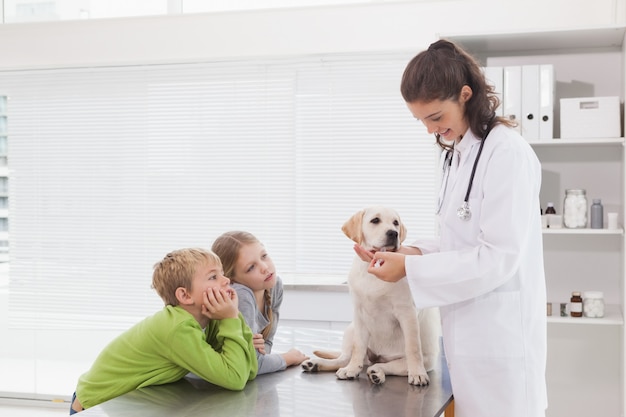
{"x": 489, "y": 326}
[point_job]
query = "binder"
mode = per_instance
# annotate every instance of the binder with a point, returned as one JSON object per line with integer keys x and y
{"x": 512, "y": 94}
{"x": 530, "y": 102}
{"x": 547, "y": 93}
{"x": 495, "y": 76}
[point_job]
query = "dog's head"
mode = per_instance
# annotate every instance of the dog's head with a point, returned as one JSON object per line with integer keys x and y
{"x": 376, "y": 228}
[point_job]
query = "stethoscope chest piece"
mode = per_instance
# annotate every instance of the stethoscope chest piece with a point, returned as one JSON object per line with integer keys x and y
{"x": 464, "y": 212}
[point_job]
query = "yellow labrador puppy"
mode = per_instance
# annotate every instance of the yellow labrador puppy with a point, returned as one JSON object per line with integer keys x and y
{"x": 387, "y": 333}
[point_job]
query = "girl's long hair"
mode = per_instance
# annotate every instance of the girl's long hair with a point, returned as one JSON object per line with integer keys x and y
{"x": 227, "y": 247}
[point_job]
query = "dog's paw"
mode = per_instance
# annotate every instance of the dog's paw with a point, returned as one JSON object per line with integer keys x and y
{"x": 376, "y": 375}
{"x": 309, "y": 366}
{"x": 349, "y": 372}
{"x": 419, "y": 378}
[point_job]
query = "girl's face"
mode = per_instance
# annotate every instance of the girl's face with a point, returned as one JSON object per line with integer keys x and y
{"x": 445, "y": 118}
{"x": 254, "y": 268}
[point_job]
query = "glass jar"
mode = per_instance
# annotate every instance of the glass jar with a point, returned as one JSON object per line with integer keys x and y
{"x": 593, "y": 304}
{"x": 575, "y": 209}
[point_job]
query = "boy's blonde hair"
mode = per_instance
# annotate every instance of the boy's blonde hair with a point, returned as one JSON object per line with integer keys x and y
{"x": 227, "y": 247}
{"x": 176, "y": 270}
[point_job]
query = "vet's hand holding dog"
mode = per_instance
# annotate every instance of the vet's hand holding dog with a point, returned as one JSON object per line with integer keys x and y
{"x": 387, "y": 266}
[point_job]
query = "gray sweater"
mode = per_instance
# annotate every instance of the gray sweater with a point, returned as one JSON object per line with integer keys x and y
{"x": 270, "y": 362}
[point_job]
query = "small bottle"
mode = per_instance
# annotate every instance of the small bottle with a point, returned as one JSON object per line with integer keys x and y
{"x": 596, "y": 214}
{"x": 576, "y": 305}
{"x": 593, "y": 304}
{"x": 550, "y": 209}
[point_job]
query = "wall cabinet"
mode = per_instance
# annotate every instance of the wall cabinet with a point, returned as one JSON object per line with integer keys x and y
{"x": 585, "y": 356}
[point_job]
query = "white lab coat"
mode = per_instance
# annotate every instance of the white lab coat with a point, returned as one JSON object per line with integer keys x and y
{"x": 487, "y": 276}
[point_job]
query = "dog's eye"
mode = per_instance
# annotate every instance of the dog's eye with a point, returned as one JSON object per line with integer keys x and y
{"x": 375, "y": 220}
{"x": 396, "y": 223}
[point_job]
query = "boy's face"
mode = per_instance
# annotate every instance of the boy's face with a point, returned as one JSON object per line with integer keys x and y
{"x": 254, "y": 268}
{"x": 208, "y": 276}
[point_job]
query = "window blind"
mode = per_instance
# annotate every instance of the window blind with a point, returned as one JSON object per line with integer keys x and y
{"x": 111, "y": 168}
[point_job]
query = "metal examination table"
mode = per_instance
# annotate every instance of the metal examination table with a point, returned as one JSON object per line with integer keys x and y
{"x": 291, "y": 393}
{"x": 286, "y": 394}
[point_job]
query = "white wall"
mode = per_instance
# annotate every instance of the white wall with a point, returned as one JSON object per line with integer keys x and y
{"x": 201, "y": 37}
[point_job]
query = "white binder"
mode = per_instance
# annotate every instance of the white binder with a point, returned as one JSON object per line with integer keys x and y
{"x": 530, "y": 102}
{"x": 547, "y": 92}
{"x": 495, "y": 76}
{"x": 512, "y": 94}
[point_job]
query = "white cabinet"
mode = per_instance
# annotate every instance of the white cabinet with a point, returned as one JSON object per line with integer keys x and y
{"x": 585, "y": 356}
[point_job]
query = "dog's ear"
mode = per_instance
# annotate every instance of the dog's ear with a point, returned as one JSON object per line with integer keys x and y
{"x": 352, "y": 227}
{"x": 402, "y": 232}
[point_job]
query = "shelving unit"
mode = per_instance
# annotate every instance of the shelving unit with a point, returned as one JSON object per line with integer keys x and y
{"x": 4, "y": 182}
{"x": 586, "y": 363}
{"x": 613, "y": 316}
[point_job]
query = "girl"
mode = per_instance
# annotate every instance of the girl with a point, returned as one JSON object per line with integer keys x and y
{"x": 260, "y": 293}
{"x": 485, "y": 269}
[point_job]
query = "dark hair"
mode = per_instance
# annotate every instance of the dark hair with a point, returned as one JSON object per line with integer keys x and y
{"x": 440, "y": 72}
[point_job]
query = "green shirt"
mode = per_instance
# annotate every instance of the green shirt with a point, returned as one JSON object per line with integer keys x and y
{"x": 166, "y": 346}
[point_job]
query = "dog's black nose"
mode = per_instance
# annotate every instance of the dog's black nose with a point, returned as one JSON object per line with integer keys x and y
{"x": 392, "y": 234}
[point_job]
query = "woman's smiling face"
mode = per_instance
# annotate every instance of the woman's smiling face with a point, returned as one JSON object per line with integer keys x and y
{"x": 443, "y": 117}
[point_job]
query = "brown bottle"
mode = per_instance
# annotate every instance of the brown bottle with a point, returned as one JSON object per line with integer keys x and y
{"x": 576, "y": 305}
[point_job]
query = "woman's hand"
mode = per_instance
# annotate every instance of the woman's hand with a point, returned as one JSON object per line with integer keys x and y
{"x": 387, "y": 266}
{"x": 365, "y": 255}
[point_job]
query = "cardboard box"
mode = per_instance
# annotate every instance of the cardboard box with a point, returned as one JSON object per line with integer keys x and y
{"x": 590, "y": 117}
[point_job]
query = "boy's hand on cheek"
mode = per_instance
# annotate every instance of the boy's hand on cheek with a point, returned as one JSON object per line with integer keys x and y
{"x": 220, "y": 304}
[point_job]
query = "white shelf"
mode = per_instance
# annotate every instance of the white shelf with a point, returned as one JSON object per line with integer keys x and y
{"x": 613, "y": 316}
{"x": 578, "y": 142}
{"x": 586, "y": 231}
{"x": 516, "y": 43}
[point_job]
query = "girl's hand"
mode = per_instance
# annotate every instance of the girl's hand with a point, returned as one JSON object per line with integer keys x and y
{"x": 387, "y": 266}
{"x": 259, "y": 343}
{"x": 220, "y": 303}
{"x": 294, "y": 357}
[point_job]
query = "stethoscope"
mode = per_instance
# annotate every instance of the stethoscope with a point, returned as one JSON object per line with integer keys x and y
{"x": 464, "y": 212}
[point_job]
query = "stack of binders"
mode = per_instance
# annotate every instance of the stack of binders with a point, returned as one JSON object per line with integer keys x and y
{"x": 527, "y": 94}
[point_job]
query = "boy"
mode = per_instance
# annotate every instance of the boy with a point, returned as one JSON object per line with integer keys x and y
{"x": 199, "y": 330}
